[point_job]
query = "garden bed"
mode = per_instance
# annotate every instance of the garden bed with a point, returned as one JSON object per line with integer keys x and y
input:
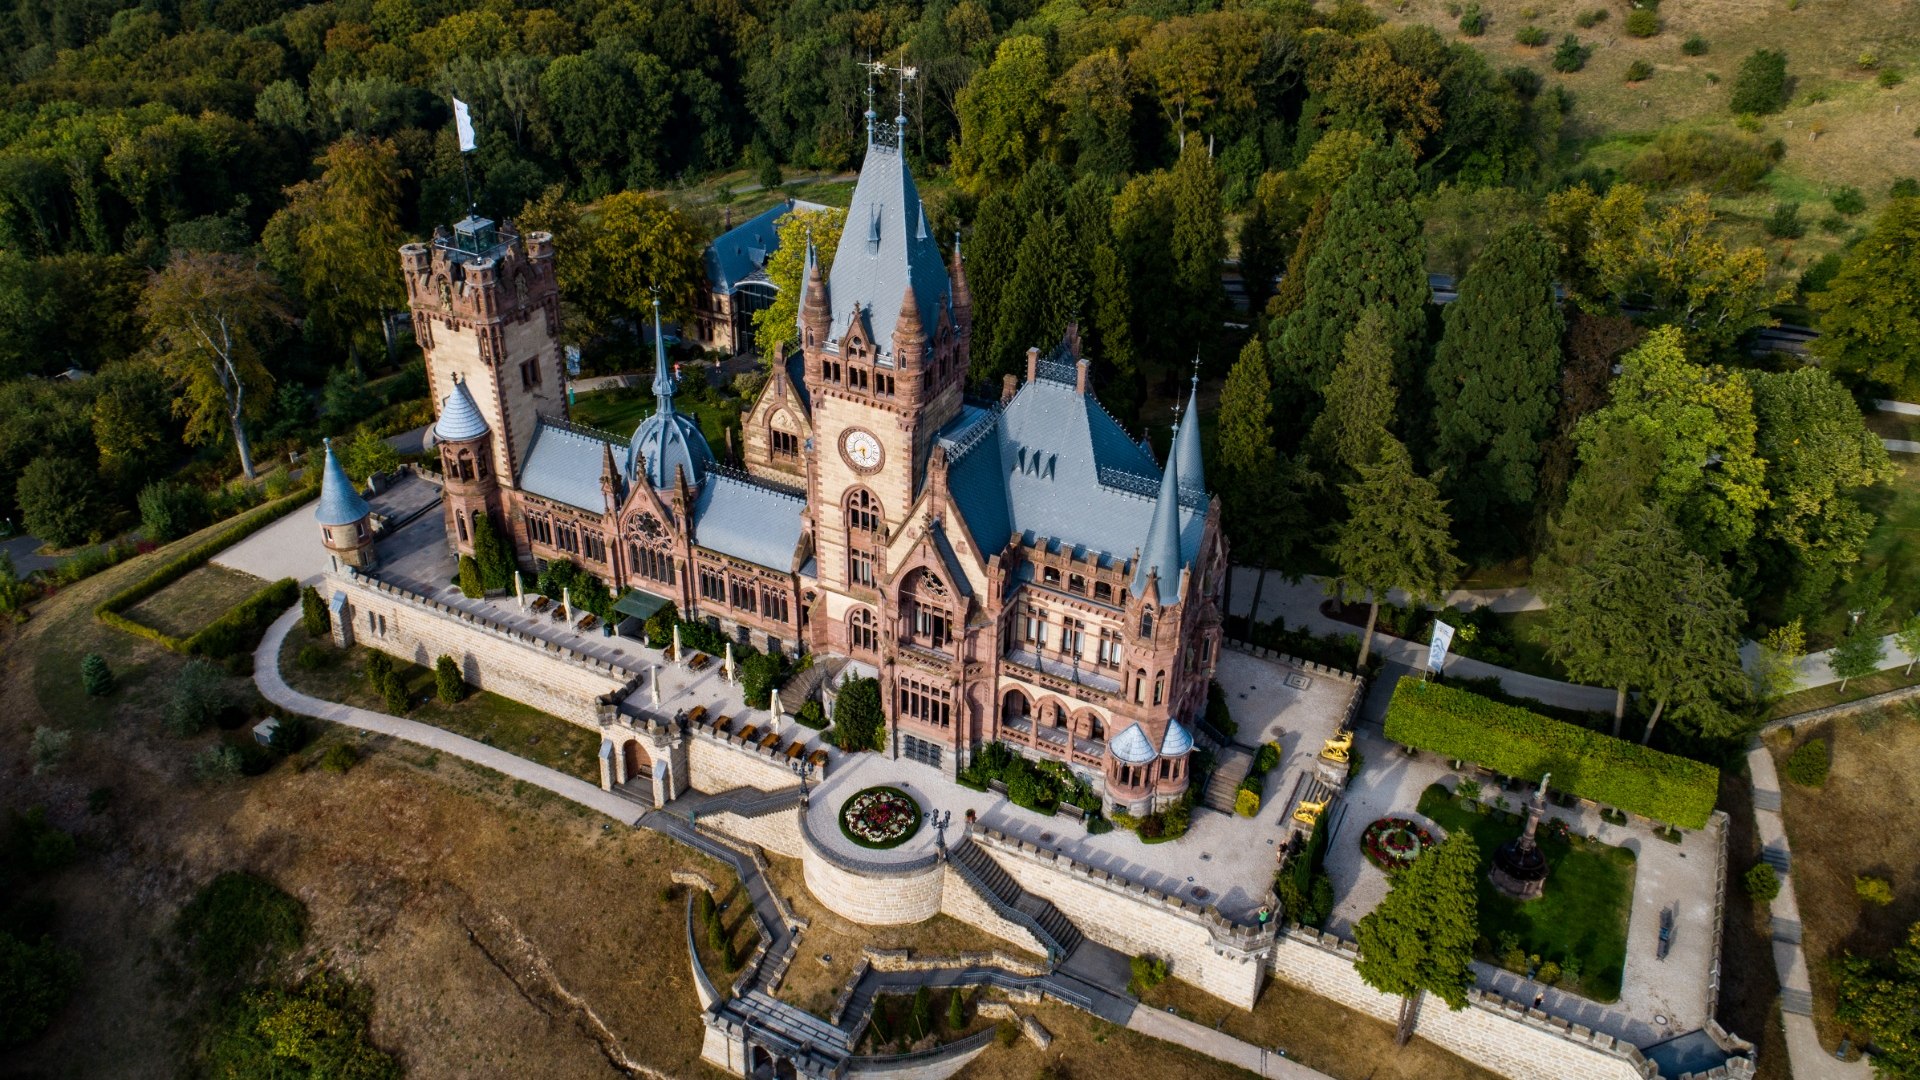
{"x": 879, "y": 817}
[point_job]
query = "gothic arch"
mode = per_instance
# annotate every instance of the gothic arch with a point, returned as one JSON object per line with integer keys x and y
{"x": 863, "y": 630}
{"x": 861, "y": 512}
{"x": 1087, "y": 724}
{"x": 1015, "y": 705}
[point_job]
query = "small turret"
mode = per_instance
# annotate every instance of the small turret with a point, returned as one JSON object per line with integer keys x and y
{"x": 1186, "y": 445}
{"x": 1159, "y": 563}
{"x": 816, "y": 313}
{"x": 345, "y": 518}
{"x": 909, "y": 338}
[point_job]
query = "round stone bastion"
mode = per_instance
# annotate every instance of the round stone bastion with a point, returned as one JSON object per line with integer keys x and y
{"x": 891, "y": 887}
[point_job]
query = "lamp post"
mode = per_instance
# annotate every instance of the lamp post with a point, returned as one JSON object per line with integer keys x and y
{"x": 803, "y": 769}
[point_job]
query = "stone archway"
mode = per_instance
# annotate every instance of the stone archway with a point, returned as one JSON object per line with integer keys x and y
{"x": 784, "y": 1070}
{"x": 635, "y": 764}
{"x": 759, "y": 1063}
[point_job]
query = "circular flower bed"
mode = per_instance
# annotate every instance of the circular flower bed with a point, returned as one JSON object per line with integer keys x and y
{"x": 880, "y": 817}
{"x": 1393, "y": 843}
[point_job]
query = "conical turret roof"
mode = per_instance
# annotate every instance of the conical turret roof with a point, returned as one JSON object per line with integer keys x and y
{"x": 667, "y": 440}
{"x": 459, "y": 417}
{"x": 1186, "y": 445}
{"x": 340, "y": 504}
{"x": 1160, "y": 553}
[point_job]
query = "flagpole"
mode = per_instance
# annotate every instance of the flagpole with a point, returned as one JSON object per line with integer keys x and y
{"x": 463, "y": 131}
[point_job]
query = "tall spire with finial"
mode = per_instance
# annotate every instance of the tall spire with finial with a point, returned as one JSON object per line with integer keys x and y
{"x": 662, "y": 378}
{"x": 1186, "y": 445}
{"x": 1160, "y": 555}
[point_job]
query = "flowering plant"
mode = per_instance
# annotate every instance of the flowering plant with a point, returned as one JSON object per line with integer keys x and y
{"x": 880, "y": 817}
{"x": 1394, "y": 843}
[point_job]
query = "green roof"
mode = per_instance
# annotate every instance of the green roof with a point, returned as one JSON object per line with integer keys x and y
{"x": 640, "y": 605}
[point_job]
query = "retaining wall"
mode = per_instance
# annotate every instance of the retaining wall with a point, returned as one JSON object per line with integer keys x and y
{"x": 716, "y": 765}
{"x": 777, "y": 832}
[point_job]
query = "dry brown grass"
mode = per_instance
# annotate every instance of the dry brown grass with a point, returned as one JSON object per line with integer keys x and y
{"x": 187, "y": 605}
{"x": 1088, "y": 1048}
{"x": 1318, "y": 1033}
{"x": 813, "y": 984}
{"x": 1854, "y": 826}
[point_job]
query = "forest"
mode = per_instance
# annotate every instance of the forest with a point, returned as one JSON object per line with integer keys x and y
{"x": 1260, "y": 189}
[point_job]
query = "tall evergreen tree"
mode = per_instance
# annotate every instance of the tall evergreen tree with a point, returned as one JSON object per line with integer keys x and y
{"x": 990, "y": 255}
{"x": 1199, "y": 242}
{"x": 1397, "y": 536}
{"x": 1494, "y": 371}
{"x": 1355, "y": 422}
{"x": 1292, "y": 290}
{"x": 1421, "y": 937}
{"x": 1044, "y": 294}
{"x": 1043, "y": 190}
{"x": 1112, "y": 334}
{"x": 1371, "y": 256}
{"x": 1260, "y": 489}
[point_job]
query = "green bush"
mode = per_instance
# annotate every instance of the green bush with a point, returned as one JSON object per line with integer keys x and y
{"x": 1473, "y": 22}
{"x": 1570, "y": 56}
{"x": 920, "y": 1015}
{"x": 448, "y": 686}
{"x": 758, "y": 676}
{"x": 1905, "y": 187}
{"x": 956, "y": 1010}
{"x": 237, "y": 925}
{"x": 319, "y": 1028}
{"x": 1266, "y": 758}
{"x": 95, "y": 677}
{"x": 1695, "y": 45}
{"x": 1148, "y": 972}
{"x": 659, "y": 627}
{"x": 1719, "y": 161}
{"x": 1643, "y": 22}
{"x": 170, "y": 510}
{"x": 491, "y": 555}
{"x": 1531, "y": 36}
{"x": 585, "y": 591}
{"x": 61, "y": 500}
{"x": 37, "y": 977}
{"x": 218, "y": 764}
{"x": 1246, "y": 803}
{"x": 1762, "y": 882}
{"x": 1515, "y": 742}
{"x": 1219, "y": 715}
{"x": 1639, "y": 71}
{"x": 198, "y": 695}
{"x": 1848, "y": 201}
{"x": 379, "y": 666}
{"x": 1590, "y": 18}
{"x": 470, "y": 586}
{"x": 314, "y": 617}
{"x": 393, "y": 692}
{"x": 1784, "y": 223}
{"x": 1873, "y": 890}
{"x": 1808, "y": 764}
{"x": 858, "y": 722}
{"x": 311, "y": 657}
{"x": 1761, "y": 86}
{"x": 339, "y": 757}
{"x": 811, "y": 715}
{"x": 1890, "y": 78}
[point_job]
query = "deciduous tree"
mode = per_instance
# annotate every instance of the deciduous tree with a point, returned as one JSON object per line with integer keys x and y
{"x": 644, "y": 248}
{"x": 1005, "y": 116}
{"x": 1870, "y": 312}
{"x": 776, "y": 323}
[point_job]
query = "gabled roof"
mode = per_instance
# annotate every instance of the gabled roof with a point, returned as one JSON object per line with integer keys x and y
{"x": 1055, "y": 464}
{"x": 564, "y": 466}
{"x": 748, "y": 521}
{"x": 1132, "y": 746}
{"x": 740, "y": 254}
{"x": 459, "y": 417}
{"x": 885, "y": 247}
{"x": 340, "y": 504}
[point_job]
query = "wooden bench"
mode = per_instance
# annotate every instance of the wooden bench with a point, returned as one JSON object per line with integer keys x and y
{"x": 818, "y": 759}
{"x": 696, "y": 714}
{"x": 723, "y": 724}
{"x": 1068, "y": 810}
{"x": 771, "y": 740}
{"x": 698, "y": 661}
{"x": 749, "y": 733}
{"x": 795, "y": 750}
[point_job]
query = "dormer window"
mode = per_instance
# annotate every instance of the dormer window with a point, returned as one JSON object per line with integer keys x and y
{"x": 1050, "y": 576}
{"x": 1103, "y": 591}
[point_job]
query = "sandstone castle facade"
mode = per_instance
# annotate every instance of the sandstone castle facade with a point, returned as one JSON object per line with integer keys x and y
{"x": 1019, "y": 569}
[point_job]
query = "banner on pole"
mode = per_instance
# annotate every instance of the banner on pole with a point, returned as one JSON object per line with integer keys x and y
{"x": 1437, "y": 651}
{"x": 463, "y": 120}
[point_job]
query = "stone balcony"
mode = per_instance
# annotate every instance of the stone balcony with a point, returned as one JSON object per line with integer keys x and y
{"x": 1051, "y": 669}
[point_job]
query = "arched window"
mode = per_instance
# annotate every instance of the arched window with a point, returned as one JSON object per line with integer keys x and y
{"x": 1015, "y": 706}
{"x": 862, "y": 632}
{"x": 1140, "y": 686}
{"x": 924, "y": 604}
{"x": 1146, "y": 623}
{"x": 863, "y": 512}
{"x": 1096, "y": 729}
{"x": 1159, "y": 687}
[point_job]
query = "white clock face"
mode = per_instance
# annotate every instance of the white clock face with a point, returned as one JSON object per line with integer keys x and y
{"x": 863, "y": 449}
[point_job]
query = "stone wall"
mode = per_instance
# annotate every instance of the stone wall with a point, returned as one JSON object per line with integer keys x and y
{"x": 904, "y": 960}
{"x": 777, "y": 832}
{"x": 492, "y": 656}
{"x": 1503, "y": 1036}
{"x": 958, "y": 899}
{"x": 872, "y": 893}
{"x": 1200, "y": 946}
{"x": 716, "y": 765}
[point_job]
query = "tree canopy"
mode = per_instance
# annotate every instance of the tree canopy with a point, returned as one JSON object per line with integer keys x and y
{"x": 1421, "y": 936}
{"x": 1870, "y": 311}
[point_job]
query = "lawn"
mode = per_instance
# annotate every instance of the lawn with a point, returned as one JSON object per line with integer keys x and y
{"x": 1890, "y": 425}
{"x": 1831, "y": 694}
{"x": 1859, "y": 822}
{"x": 620, "y": 410}
{"x": 488, "y": 718}
{"x": 188, "y": 605}
{"x": 1583, "y": 915}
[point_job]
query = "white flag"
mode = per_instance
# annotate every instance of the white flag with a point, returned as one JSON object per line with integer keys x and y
{"x": 463, "y": 120}
{"x": 1437, "y": 649}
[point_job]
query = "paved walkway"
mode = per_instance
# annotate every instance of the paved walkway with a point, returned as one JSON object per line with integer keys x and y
{"x": 266, "y": 673}
{"x": 1220, "y": 1046}
{"x": 1810, "y": 1060}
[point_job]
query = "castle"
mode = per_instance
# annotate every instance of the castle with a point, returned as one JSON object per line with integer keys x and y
{"x": 1018, "y": 570}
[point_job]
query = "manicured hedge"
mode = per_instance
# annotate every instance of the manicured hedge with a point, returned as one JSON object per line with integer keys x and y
{"x": 192, "y": 559}
{"x": 240, "y": 628}
{"x": 1515, "y": 742}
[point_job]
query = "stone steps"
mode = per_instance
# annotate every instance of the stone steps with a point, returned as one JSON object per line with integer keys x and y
{"x": 1766, "y": 800}
{"x": 1786, "y": 930}
{"x": 1795, "y": 1000}
{"x": 1231, "y": 766}
{"x": 1778, "y": 858}
{"x": 1005, "y": 895}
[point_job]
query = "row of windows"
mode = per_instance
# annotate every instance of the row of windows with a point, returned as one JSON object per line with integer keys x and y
{"x": 927, "y": 704}
{"x": 1073, "y": 637}
{"x": 785, "y": 444}
{"x": 650, "y": 564}
{"x": 857, "y": 378}
{"x": 1076, "y": 584}
{"x": 746, "y": 596}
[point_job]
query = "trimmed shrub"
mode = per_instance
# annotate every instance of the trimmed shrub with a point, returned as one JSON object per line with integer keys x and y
{"x": 491, "y": 555}
{"x": 1762, "y": 882}
{"x": 1473, "y": 22}
{"x": 1266, "y": 758}
{"x": 1785, "y": 223}
{"x": 1516, "y": 742}
{"x": 1873, "y": 890}
{"x": 1761, "y": 86}
{"x": 1570, "y": 56}
{"x": 393, "y": 691}
{"x": 448, "y": 686}
{"x": 314, "y": 617}
{"x": 1590, "y": 18}
{"x": 811, "y": 715}
{"x": 1531, "y": 36}
{"x": 1246, "y": 803}
{"x": 170, "y": 510}
{"x": 858, "y": 722}
{"x": 956, "y": 1010}
{"x": 185, "y": 563}
{"x": 197, "y": 697}
{"x": 1695, "y": 45}
{"x": 920, "y": 1016}
{"x": 379, "y": 666}
{"x": 95, "y": 677}
{"x": 1639, "y": 71}
{"x": 1643, "y": 22}
{"x": 1808, "y": 764}
{"x": 239, "y": 630}
{"x": 339, "y": 758}
{"x": 470, "y": 586}
{"x": 1848, "y": 201}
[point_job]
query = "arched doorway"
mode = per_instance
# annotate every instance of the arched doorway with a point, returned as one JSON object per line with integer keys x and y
{"x": 1014, "y": 709}
{"x": 759, "y": 1063}
{"x": 784, "y": 1070}
{"x": 634, "y": 757}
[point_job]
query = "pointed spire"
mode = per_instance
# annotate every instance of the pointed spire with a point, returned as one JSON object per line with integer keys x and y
{"x": 1186, "y": 443}
{"x": 962, "y": 296}
{"x": 816, "y": 312}
{"x": 662, "y": 379}
{"x": 340, "y": 503}
{"x": 1159, "y": 561}
{"x": 907, "y": 329}
{"x": 923, "y": 221}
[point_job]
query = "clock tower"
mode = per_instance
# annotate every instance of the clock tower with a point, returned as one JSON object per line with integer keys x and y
{"x": 884, "y": 334}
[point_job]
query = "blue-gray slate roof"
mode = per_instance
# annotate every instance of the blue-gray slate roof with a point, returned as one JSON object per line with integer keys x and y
{"x": 565, "y": 466}
{"x": 1160, "y": 554}
{"x": 666, "y": 441}
{"x": 747, "y": 521}
{"x": 1186, "y": 447}
{"x": 885, "y": 246}
{"x": 1054, "y": 463}
{"x": 742, "y": 250}
{"x": 1132, "y": 746}
{"x": 340, "y": 504}
{"x": 459, "y": 417}
{"x": 797, "y": 375}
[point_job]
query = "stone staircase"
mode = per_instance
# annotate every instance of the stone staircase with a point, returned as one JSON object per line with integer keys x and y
{"x": 1778, "y": 858}
{"x": 1766, "y": 800}
{"x": 1787, "y": 930}
{"x": 1010, "y": 901}
{"x": 1795, "y": 1000}
{"x": 751, "y": 802}
{"x": 806, "y": 685}
{"x": 1230, "y": 766}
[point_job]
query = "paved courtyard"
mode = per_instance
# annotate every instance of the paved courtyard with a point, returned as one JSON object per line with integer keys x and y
{"x": 1658, "y": 998}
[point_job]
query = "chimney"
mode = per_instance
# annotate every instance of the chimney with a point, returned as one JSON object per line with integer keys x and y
{"x": 1033, "y": 363}
{"x": 1009, "y": 386}
{"x": 1081, "y": 373}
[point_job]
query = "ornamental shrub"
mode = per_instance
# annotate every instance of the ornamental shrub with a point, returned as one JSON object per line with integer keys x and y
{"x": 920, "y": 1017}
{"x": 659, "y": 627}
{"x": 1762, "y": 882}
{"x": 811, "y": 715}
{"x": 956, "y": 1010}
{"x": 1761, "y": 86}
{"x": 1148, "y": 972}
{"x": 758, "y": 676}
{"x": 1639, "y": 71}
{"x": 1695, "y": 45}
{"x": 448, "y": 686}
{"x": 1246, "y": 803}
{"x": 858, "y": 722}
{"x": 491, "y": 555}
{"x": 1808, "y": 764}
{"x": 314, "y": 617}
{"x": 197, "y": 697}
{"x": 379, "y": 666}
{"x": 1531, "y": 36}
{"x": 1873, "y": 890}
{"x": 393, "y": 691}
{"x": 1643, "y": 22}
{"x": 1516, "y": 742}
{"x": 1266, "y": 758}
{"x": 95, "y": 677}
{"x": 170, "y": 510}
{"x": 1570, "y": 56}
{"x": 470, "y": 586}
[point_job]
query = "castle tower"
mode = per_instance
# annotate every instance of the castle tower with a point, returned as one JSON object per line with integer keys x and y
{"x": 346, "y": 526}
{"x": 467, "y": 461}
{"x": 486, "y": 312}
